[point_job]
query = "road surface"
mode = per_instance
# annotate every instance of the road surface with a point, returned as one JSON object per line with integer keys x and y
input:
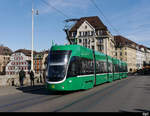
{"x": 127, "y": 95}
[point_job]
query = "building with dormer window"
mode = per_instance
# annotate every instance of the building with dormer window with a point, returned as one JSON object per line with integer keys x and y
{"x": 92, "y": 33}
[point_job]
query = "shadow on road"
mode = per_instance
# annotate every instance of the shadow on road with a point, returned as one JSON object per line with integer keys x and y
{"x": 41, "y": 90}
{"x": 135, "y": 110}
{"x": 142, "y": 110}
{"x": 123, "y": 111}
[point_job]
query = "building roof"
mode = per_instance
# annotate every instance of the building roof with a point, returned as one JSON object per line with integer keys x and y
{"x": 26, "y": 52}
{"x": 122, "y": 41}
{"x": 5, "y": 50}
{"x": 93, "y": 20}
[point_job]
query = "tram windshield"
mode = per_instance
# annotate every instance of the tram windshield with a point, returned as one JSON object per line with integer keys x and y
{"x": 57, "y": 65}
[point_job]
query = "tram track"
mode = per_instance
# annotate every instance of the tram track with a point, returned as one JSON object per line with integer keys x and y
{"x": 26, "y": 102}
{"x": 67, "y": 102}
{"x": 56, "y": 102}
{"x": 104, "y": 93}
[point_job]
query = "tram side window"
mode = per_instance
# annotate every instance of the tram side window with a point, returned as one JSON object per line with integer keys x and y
{"x": 110, "y": 67}
{"x": 87, "y": 66}
{"x": 116, "y": 68}
{"x": 98, "y": 68}
{"x": 126, "y": 69}
{"x": 105, "y": 67}
{"x": 113, "y": 68}
{"x": 74, "y": 67}
{"x": 101, "y": 67}
{"x": 120, "y": 68}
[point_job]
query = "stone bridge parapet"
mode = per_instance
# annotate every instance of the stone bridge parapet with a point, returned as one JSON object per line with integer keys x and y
{"x": 13, "y": 80}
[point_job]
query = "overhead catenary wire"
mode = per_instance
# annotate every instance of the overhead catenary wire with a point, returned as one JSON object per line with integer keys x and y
{"x": 59, "y": 11}
{"x": 100, "y": 11}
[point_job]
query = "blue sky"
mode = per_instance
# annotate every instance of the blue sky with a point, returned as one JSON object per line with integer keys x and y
{"x": 130, "y": 17}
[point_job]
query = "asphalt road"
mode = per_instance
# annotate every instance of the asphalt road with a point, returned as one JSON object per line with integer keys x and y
{"x": 127, "y": 95}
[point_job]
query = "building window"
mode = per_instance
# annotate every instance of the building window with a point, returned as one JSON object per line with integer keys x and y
{"x": 86, "y": 33}
{"x": 120, "y": 53}
{"x": 92, "y": 33}
{"x": 100, "y": 40}
{"x": 80, "y": 34}
{"x": 92, "y": 39}
{"x": 80, "y": 40}
{"x": 125, "y": 53}
{"x": 100, "y": 47}
{"x": 73, "y": 34}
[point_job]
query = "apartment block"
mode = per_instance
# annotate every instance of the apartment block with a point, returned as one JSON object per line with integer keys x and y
{"x": 126, "y": 50}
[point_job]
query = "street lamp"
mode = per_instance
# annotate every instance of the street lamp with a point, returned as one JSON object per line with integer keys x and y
{"x": 33, "y": 34}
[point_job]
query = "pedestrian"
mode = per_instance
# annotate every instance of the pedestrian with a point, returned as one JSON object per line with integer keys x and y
{"x": 41, "y": 78}
{"x": 21, "y": 77}
{"x": 44, "y": 75}
{"x": 32, "y": 78}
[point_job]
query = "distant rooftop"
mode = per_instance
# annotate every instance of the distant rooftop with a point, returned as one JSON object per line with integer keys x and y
{"x": 5, "y": 50}
{"x": 25, "y": 51}
{"x": 120, "y": 40}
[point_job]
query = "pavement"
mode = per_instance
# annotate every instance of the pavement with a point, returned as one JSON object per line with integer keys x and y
{"x": 8, "y": 90}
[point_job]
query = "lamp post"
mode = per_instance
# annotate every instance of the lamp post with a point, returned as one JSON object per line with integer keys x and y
{"x": 32, "y": 35}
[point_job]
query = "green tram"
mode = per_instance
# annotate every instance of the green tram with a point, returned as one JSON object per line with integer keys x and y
{"x": 74, "y": 67}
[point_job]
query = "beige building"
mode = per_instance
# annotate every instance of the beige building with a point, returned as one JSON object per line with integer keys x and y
{"x": 92, "y": 33}
{"x": 5, "y": 53}
{"x": 39, "y": 61}
{"x": 148, "y": 56}
{"x": 126, "y": 51}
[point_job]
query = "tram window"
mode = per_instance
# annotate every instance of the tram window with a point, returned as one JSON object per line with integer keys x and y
{"x": 116, "y": 68}
{"x": 97, "y": 67}
{"x": 87, "y": 66}
{"x": 74, "y": 66}
{"x": 105, "y": 67}
{"x": 110, "y": 67}
{"x": 113, "y": 68}
{"x": 80, "y": 66}
{"x": 126, "y": 69}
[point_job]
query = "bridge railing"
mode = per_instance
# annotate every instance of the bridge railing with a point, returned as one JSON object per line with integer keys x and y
{"x": 13, "y": 80}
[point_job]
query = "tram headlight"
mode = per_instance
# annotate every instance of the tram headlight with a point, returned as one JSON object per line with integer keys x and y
{"x": 62, "y": 87}
{"x": 70, "y": 81}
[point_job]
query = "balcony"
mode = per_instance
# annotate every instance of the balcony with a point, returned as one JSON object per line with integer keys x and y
{"x": 99, "y": 43}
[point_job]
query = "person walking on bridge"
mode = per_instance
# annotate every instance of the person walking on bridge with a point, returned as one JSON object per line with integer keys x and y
{"x": 32, "y": 78}
{"x": 21, "y": 77}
